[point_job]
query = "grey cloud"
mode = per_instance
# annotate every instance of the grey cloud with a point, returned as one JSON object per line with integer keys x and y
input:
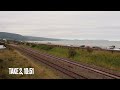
{"x": 63, "y": 24}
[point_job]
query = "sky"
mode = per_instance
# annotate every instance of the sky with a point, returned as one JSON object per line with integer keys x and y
{"x": 95, "y": 25}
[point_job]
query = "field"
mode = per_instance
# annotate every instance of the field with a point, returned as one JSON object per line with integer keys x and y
{"x": 13, "y": 59}
{"x": 100, "y": 58}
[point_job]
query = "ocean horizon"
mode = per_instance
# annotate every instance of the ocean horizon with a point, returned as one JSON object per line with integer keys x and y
{"x": 100, "y": 43}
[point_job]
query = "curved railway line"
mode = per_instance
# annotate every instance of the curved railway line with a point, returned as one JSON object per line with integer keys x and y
{"x": 66, "y": 66}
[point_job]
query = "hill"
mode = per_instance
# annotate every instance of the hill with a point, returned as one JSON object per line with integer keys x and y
{"x": 12, "y": 36}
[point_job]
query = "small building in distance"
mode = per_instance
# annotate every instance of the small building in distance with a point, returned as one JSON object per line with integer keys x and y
{"x": 2, "y": 45}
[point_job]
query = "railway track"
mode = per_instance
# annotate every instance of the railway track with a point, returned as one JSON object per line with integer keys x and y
{"x": 69, "y": 73}
{"x": 68, "y": 67}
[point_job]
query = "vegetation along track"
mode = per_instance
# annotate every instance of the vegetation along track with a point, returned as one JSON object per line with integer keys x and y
{"x": 68, "y": 67}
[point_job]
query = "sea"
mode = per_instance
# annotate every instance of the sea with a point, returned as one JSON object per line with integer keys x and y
{"x": 105, "y": 44}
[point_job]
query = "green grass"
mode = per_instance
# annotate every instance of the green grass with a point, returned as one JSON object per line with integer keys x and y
{"x": 100, "y": 58}
{"x": 14, "y": 59}
{"x": 55, "y": 50}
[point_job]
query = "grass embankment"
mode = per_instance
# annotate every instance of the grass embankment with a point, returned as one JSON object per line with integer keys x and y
{"x": 100, "y": 58}
{"x": 13, "y": 59}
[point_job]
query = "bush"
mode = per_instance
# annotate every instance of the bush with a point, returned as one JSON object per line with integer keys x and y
{"x": 8, "y": 42}
{"x": 28, "y": 44}
{"x": 1, "y": 60}
{"x": 90, "y": 50}
{"x": 11, "y": 49}
{"x": 71, "y": 53}
{"x": 33, "y": 45}
{"x": 45, "y": 47}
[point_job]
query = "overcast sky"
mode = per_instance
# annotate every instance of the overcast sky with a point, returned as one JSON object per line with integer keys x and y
{"x": 63, "y": 24}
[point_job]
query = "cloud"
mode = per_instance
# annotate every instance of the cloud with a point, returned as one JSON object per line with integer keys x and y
{"x": 62, "y": 24}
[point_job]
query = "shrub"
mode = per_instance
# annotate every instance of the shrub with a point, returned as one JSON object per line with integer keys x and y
{"x": 28, "y": 44}
{"x": 71, "y": 53}
{"x": 1, "y": 60}
{"x": 90, "y": 50}
{"x": 45, "y": 47}
{"x": 8, "y": 42}
{"x": 33, "y": 45}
